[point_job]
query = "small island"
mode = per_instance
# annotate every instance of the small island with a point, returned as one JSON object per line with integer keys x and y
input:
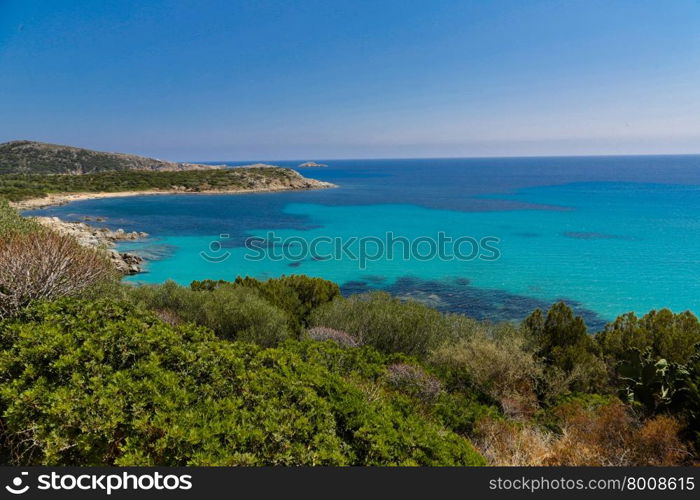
{"x": 311, "y": 164}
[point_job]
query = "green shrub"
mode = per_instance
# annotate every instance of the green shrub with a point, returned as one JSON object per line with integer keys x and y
{"x": 103, "y": 383}
{"x": 562, "y": 340}
{"x": 13, "y": 223}
{"x": 364, "y": 362}
{"x": 297, "y": 295}
{"x": 461, "y": 412}
{"x": 231, "y": 312}
{"x": 669, "y": 336}
{"x": 386, "y": 323}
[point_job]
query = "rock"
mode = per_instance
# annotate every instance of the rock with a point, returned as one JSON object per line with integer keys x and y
{"x": 133, "y": 262}
{"x": 100, "y": 237}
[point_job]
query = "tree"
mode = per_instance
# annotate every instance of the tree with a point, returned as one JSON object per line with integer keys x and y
{"x": 563, "y": 342}
{"x": 667, "y": 335}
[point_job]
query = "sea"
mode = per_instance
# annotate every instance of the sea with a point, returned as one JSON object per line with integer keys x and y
{"x": 493, "y": 238}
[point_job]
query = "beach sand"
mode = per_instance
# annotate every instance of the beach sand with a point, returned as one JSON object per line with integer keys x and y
{"x": 64, "y": 198}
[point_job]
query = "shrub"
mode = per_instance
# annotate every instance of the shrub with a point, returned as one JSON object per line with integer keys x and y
{"x": 501, "y": 369}
{"x": 320, "y": 334}
{"x": 563, "y": 341}
{"x": 660, "y": 387}
{"x": 595, "y": 435}
{"x": 667, "y": 335}
{"x": 386, "y": 323}
{"x": 46, "y": 265}
{"x": 591, "y": 432}
{"x": 297, "y": 295}
{"x": 413, "y": 381}
{"x": 231, "y": 312}
{"x": 461, "y": 412}
{"x": 362, "y": 362}
{"x": 507, "y": 443}
{"x": 13, "y": 223}
{"x": 611, "y": 434}
{"x": 657, "y": 442}
{"x": 105, "y": 383}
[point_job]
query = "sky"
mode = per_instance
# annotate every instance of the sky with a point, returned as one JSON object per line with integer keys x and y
{"x": 215, "y": 80}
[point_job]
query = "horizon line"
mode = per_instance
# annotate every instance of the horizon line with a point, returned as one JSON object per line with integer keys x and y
{"x": 492, "y": 157}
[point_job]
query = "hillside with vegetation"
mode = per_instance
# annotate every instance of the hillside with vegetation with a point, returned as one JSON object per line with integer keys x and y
{"x": 288, "y": 372}
{"x": 32, "y": 157}
{"x": 19, "y": 187}
{"x": 34, "y": 170}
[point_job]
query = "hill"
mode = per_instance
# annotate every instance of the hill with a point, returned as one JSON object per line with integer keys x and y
{"x": 38, "y": 174}
{"x": 37, "y": 190}
{"x": 30, "y": 157}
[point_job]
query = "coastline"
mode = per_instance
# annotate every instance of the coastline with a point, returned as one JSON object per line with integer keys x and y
{"x": 100, "y": 237}
{"x": 55, "y": 199}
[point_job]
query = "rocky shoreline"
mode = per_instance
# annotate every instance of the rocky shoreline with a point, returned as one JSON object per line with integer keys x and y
{"x": 100, "y": 238}
{"x": 104, "y": 238}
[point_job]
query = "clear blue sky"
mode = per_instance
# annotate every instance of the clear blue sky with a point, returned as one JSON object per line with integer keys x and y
{"x": 307, "y": 79}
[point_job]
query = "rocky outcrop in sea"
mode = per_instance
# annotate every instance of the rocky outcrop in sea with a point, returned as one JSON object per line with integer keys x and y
{"x": 100, "y": 238}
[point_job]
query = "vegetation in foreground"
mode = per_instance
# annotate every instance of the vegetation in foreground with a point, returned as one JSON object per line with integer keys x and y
{"x": 287, "y": 371}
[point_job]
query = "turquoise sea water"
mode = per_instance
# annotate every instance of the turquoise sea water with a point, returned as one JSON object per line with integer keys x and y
{"x": 609, "y": 235}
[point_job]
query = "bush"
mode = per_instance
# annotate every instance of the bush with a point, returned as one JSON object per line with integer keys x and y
{"x": 611, "y": 434}
{"x": 297, "y": 295}
{"x": 461, "y": 412}
{"x": 386, "y": 323}
{"x": 657, "y": 442}
{"x": 231, "y": 312}
{"x": 321, "y": 334}
{"x": 12, "y": 223}
{"x": 667, "y": 335}
{"x": 563, "y": 341}
{"x": 413, "y": 381}
{"x": 506, "y": 443}
{"x": 43, "y": 264}
{"x": 503, "y": 370}
{"x": 104, "y": 383}
{"x": 362, "y": 362}
{"x": 591, "y": 432}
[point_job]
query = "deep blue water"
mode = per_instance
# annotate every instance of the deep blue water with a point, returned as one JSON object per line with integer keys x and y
{"x": 607, "y": 234}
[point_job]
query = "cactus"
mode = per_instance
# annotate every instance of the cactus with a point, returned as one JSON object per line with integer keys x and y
{"x": 655, "y": 383}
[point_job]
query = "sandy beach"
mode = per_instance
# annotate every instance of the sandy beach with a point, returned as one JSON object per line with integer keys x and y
{"x": 54, "y": 199}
